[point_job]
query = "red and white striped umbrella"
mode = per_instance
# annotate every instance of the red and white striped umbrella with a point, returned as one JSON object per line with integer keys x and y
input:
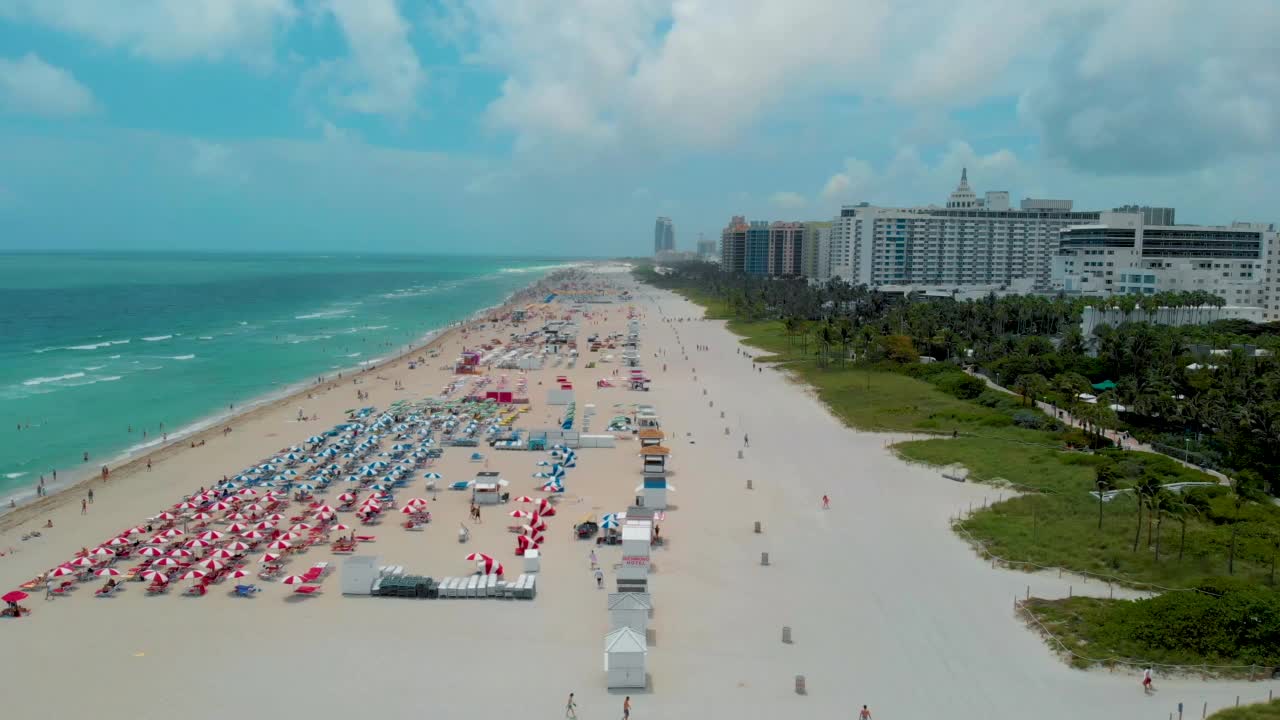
{"x": 269, "y": 557}
{"x": 151, "y": 552}
{"x": 412, "y": 510}
{"x": 476, "y": 556}
{"x": 323, "y": 509}
{"x": 166, "y": 516}
{"x": 222, "y": 505}
{"x": 290, "y": 536}
{"x": 294, "y": 580}
{"x": 300, "y": 527}
{"x": 210, "y": 535}
{"x": 491, "y": 567}
{"x": 323, "y": 517}
{"x": 346, "y": 497}
{"x": 222, "y": 554}
{"x": 210, "y": 564}
{"x": 166, "y": 562}
{"x": 81, "y": 562}
{"x": 520, "y": 514}
{"x": 180, "y": 553}
{"x": 237, "y": 517}
{"x": 155, "y": 576}
{"x": 135, "y": 531}
{"x": 248, "y": 492}
{"x": 157, "y": 540}
{"x": 202, "y": 516}
{"x": 546, "y": 508}
{"x": 538, "y": 525}
{"x": 237, "y": 527}
{"x": 340, "y": 527}
{"x": 187, "y": 506}
{"x": 239, "y": 573}
{"x": 416, "y": 501}
{"x": 237, "y": 546}
{"x": 255, "y": 508}
{"x": 62, "y": 571}
{"x": 102, "y": 552}
{"x": 192, "y": 575}
{"x": 253, "y": 535}
{"x": 198, "y": 543}
{"x": 280, "y": 545}
{"x": 108, "y": 572}
{"x": 275, "y": 517}
{"x": 171, "y": 533}
{"x": 525, "y": 499}
{"x": 264, "y": 525}
{"x": 117, "y": 542}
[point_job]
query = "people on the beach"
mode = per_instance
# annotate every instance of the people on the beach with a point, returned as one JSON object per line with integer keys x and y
{"x": 626, "y": 708}
{"x": 599, "y": 579}
{"x": 826, "y": 503}
{"x": 48, "y": 523}
{"x": 865, "y": 714}
{"x": 84, "y": 507}
{"x": 90, "y": 496}
{"x": 1147, "y": 687}
{"x": 571, "y": 708}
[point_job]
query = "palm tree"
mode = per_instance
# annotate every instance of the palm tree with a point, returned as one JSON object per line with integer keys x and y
{"x": 1146, "y": 488}
{"x": 1246, "y": 486}
{"x": 845, "y": 335}
{"x": 1029, "y": 386}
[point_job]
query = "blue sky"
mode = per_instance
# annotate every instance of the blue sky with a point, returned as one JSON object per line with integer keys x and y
{"x": 565, "y": 126}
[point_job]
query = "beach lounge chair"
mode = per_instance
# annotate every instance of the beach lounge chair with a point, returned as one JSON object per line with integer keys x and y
{"x": 366, "y": 538}
{"x": 307, "y": 590}
{"x": 246, "y": 590}
{"x": 196, "y": 590}
{"x": 157, "y": 588}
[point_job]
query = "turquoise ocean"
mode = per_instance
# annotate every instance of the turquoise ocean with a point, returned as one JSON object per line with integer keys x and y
{"x": 96, "y": 348}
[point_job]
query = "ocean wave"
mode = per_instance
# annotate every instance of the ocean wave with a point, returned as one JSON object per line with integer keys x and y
{"x": 95, "y": 380}
{"x": 537, "y": 268}
{"x": 298, "y": 339}
{"x": 322, "y": 314}
{"x": 353, "y": 355}
{"x": 91, "y": 368}
{"x": 43, "y": 380}
{"x": 114, "y": 357}
{"x": 375, "y": 327}
{"x": 151, "y": 367}
{"x": 205, "y": 337}
{"x": 14, "y": 476}
{"x": 156, "y": 338}
{"x": 182, "y": 357}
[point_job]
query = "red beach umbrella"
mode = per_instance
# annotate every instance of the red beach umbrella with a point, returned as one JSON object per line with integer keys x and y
{"x": 280, "y": 545}
{"x": 14, "y": 596}
{"x": 62, "y": 571}
{"x": 294, "y": 580}
{"x": 192, "y": 575}
{"x": 155, "y": 576}
{"x": 117, "y": 542}
{"x": 166, "y": 516}
{"x": 210, "y": 564}
{"x": 151, "y": 552}
{"x": 107, "y": 572}
{"x": 210, "y": 535}
{"x": 475, "y": 557}
{"x": 166, "y": 562}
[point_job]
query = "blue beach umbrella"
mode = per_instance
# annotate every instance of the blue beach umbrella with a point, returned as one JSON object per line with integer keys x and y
{"x": 351, "y": 479}
{"x": 432, "y": 476}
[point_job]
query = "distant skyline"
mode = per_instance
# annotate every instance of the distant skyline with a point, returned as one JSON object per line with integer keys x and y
{"x": 500, "y": 126}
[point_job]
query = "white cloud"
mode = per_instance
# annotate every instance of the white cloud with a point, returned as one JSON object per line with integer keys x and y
{"x": 383, "y": 74}
{"x": 166, "y": 29}
{"x": 788, "y": 200}
{"x": 853, "y": 179}
{"x": 32, "y": 86}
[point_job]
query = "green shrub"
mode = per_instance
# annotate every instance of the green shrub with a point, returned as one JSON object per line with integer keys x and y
{"x": 958, "y": 384}
{"x": 1242, "y": 624}
{"x": 1031, "y": 420}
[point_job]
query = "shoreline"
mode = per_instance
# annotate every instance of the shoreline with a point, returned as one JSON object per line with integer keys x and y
{"x": 126, "y": 463}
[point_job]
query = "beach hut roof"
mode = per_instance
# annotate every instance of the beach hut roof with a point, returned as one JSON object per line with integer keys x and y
{"x": 625, "y": 640}
{"x": 652, "y": 433}
{"x": 655, "y": 450}
{"x": 630, "y": 601}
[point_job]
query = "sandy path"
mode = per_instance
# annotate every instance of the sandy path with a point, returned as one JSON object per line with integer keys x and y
{"x": 888, "y": 607}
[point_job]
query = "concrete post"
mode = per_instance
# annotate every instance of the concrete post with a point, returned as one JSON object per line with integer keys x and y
{"x": 786, "y": 634}
{"x": 757, "y": 527}
{"x": 764, "y": 558}
{"x": 800, "y": 689}
{"x": 749, "y": 486}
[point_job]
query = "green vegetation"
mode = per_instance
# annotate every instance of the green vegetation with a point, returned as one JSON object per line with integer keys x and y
{"x": 1226, "y": 623}
{"x": 861, "y": 351}
{"x": 1257, "y": 711}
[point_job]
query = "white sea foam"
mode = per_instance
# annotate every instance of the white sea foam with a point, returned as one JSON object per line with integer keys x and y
{"x": 182, "y": 357}
{"x": 157, "y": 338}
{"x": 109, "y": 378}
{"x": 354, "y": 355}
{"x": 43, "y": 380}
{"x": 91, "y": 368}
{"x": 94, "y": 346}
{"x": 538, "y": 268}
{"x": 14, "y": 476}
{"x": 206, "y": 337}
{"x": 322, "y": 314}
{"x": 375, "y": 327}
{"x": 114, "y": 357}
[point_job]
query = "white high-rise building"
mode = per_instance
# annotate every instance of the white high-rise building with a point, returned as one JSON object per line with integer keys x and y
{"x": 972, "y": 241}
{"x": 1122, "y": 255}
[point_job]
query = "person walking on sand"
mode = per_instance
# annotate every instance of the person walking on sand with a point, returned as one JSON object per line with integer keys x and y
{"x": 599, "y": 579}
{"x": 865, "y": 714}
{"x": 826, "y": 503}
{"x": 571, "y": 708}
{"x": 48, "y": 589}
{"x": 90, "y": 496}
{"x": 626, "y": 708}
{"x": 594, "y": 562}
{"x": 1147, "y": 687}
{"x": 84, "y": 507}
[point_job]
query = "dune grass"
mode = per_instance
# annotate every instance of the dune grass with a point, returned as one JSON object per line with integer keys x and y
{"x": 1257, "y": 711}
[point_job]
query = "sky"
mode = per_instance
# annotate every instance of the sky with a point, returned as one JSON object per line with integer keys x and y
{"x": 563, "y": 127}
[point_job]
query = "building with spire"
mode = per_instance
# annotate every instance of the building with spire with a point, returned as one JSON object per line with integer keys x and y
{"x": 970, "y": 241}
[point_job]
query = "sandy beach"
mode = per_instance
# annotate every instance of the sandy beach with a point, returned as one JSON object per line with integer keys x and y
{"x": 887, "y": 606}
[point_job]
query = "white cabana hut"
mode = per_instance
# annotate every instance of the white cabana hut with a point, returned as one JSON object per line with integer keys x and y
{"x": 629, "y": 610}
{"x": 624, "y": 658}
